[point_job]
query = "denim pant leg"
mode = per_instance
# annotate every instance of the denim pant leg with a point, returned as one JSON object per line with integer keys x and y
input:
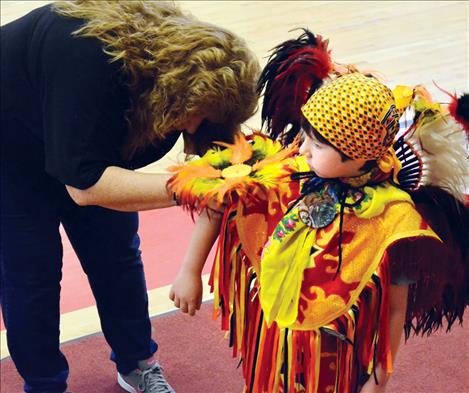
{"x": 31, "y": 261}
{"x": 107, "y": 245}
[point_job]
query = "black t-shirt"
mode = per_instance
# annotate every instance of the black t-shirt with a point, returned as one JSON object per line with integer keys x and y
{"x": 65, "y": 100}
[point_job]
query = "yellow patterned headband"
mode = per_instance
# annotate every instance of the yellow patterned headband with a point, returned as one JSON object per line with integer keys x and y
{"x": 357, "y": 114}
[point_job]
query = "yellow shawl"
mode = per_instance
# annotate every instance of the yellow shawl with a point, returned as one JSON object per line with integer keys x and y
{"x": 297, "y": 285}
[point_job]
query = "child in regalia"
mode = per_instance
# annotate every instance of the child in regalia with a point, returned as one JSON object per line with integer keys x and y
{"x": 374, "y": 242}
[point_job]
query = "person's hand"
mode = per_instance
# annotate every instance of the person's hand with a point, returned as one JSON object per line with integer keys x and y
{"x": 186, "y": 292}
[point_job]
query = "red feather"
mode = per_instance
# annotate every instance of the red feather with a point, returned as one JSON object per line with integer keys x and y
{"x": 293, "y": 85}
{"x": 294, "y": 71}
{"x": 459, "y": 109}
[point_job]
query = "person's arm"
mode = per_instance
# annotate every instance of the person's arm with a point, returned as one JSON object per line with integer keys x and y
{"x": 186, "y": 291}
{"x": 397, "y": 314}
{"x": 125, "y": 190}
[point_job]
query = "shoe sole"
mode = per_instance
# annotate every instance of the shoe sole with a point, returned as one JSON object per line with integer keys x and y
{"x": 124, "y": 385}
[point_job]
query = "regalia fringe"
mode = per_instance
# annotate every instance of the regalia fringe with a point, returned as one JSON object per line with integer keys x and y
{"x": 338, "y": 357}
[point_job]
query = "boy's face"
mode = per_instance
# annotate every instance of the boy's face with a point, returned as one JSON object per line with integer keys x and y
{"x": 326, "y": 161}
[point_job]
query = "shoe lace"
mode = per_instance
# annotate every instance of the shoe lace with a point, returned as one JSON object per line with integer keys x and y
{"x": 153, "y": 381}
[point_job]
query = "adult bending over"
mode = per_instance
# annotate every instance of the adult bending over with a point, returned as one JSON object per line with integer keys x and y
{"x": 92, "y": 90}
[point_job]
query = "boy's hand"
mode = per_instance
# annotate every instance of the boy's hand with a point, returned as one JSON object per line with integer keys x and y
{"x": 186, "y": 292}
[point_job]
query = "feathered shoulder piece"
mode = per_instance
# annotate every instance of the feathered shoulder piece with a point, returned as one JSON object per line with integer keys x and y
{"x": 295, "y": 69}
{"x": 252, "y": 168}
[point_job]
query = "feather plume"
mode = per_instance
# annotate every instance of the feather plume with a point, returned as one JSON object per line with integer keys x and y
{"x": 436, "y": 154}
{"x": 295, "y": 69}
{"x": 446, "y": 146}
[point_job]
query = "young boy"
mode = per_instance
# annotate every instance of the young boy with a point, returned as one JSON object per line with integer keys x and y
{"x": 323, "y": 278}
{"x": 325, "y": 309}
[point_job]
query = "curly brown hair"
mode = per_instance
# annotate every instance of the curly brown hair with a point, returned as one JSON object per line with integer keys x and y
{"x": 177, "y": 65}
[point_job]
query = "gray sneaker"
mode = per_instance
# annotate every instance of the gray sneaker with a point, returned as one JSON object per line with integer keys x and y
{"x": 147, "y": 378}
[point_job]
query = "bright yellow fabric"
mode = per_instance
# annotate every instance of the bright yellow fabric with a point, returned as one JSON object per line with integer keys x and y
{"x": 389, "y": 162}
{"x": 284, "y": 276}
{"x": 377, "y": 198}
{"x": 297, "y": 290}
{"x": 403, "y": 96}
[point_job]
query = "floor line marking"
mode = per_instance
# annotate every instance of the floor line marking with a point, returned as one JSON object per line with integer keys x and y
{"x": 84, "y": 322}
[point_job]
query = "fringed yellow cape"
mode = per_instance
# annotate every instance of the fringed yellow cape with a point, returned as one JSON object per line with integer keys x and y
{"x": 309, "y": 306}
